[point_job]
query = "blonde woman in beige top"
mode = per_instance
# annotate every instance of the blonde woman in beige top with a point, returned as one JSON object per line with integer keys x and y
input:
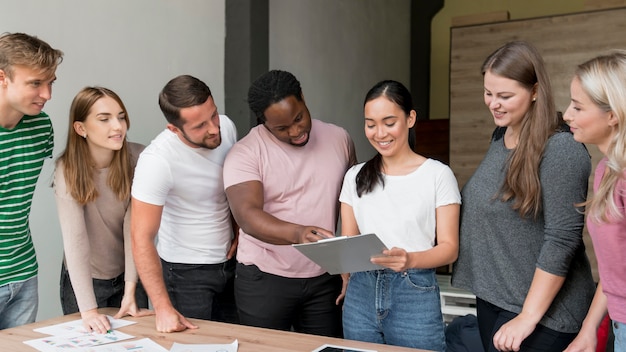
{"x": 92, "y": 184}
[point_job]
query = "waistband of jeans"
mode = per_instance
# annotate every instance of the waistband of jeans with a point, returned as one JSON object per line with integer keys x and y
{"x": 118, "y": 278}
{"x": 216, "y": 266}
{"x": 115, "y": 281}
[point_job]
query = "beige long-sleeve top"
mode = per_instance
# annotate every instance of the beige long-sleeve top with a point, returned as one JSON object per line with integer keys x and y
{"x": 96, "y": 236}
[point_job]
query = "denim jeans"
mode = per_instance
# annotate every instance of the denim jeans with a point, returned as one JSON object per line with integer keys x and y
{"x": 108, "y": 293}
{"x": 619, "y": 330}
{"x": 303, "y": 304}
{"x": 192, "y": 288}
{"x": 18, "y": 303}
{"x": 401, "y": 309}
{"x": 542, "y": 339}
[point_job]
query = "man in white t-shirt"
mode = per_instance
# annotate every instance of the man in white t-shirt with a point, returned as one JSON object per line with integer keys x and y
{"x": 178, "y": 199}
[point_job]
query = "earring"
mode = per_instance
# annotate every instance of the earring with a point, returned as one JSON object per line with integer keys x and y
{"x": 85, "y": 136}
{"x": 534, "y": 99}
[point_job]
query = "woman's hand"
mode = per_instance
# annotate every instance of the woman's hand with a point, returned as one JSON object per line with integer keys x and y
{"x": 129, "y": 303}
{"x": 129, "y": 307}
{"x": 583, "y": 343}
{"x": 95, "y": 322}
{"x": 396, "y": 259}
{"x": 510, "y": 335}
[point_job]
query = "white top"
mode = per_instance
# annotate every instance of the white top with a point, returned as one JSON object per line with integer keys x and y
{"x": 402, "y": 213}
{"x": 188, "y": 183}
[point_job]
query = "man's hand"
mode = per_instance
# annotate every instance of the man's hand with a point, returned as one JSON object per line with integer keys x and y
{"x": 170, "y": 320}
{"x": 232, "y": 251}
{"x": 308, "y": 234}
{"x": 345, "y": 278}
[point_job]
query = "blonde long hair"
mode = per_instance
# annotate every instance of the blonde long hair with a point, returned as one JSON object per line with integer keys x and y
{"x": 79, "y": 166}
{"x": 520, "y": 61}
{"x": 603, "y": 79}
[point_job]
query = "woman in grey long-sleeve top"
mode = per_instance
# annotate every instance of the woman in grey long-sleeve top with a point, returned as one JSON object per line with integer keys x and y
{"x": 521, "y": 247}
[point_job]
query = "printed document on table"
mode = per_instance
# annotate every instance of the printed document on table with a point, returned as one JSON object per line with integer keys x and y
{"x": 74, "y": 341}
{"x": 143, "y": 345}
{"x": 182, "y": 347}
{"x": 76, "y": 326}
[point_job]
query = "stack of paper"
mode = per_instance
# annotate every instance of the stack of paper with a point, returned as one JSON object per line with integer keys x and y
{"x": 72, "y": 336}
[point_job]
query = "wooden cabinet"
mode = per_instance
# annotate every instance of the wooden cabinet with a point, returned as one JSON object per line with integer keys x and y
{"x": 432, "y": 139}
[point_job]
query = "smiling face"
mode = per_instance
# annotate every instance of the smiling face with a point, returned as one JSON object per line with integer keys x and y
{"x": 507, "y": 100}
{"x": 588, "y": 122}
{"x": 201, "y": 126}
{"x": 387, "y": 126}
{"x": 26, "y": 92}
{"x": 104, "y": 127}
{"x": 289, "y": 121}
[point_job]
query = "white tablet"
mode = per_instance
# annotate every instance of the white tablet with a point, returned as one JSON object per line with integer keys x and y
{"x": 334, "y": 348}
{"x": 344, "y": 254}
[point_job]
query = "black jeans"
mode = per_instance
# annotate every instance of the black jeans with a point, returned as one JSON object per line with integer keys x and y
{"x": 108, "y": 293}
{"x": 276, "y": 302}
{"x": 202, "y": 291}
{"x": 543, "y": 339}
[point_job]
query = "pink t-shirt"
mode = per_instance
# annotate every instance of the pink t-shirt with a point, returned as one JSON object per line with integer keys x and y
{"x": 300, "y": 185}
{"x": 609, "y": 244}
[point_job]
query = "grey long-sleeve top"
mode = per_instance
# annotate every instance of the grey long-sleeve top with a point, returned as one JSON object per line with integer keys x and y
{"x": 499, "y": 250}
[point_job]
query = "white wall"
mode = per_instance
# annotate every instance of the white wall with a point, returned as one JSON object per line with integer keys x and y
{"x": 338, "y": 49}
{"x": 133, "y": 47}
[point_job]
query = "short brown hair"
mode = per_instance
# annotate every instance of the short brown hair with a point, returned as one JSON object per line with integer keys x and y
{"x": 180, "y": 92}
{"x": 26, "y": 50}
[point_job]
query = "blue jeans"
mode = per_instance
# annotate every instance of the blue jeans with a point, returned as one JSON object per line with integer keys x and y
{"x": 18, "y": 303}
{"x": 194, "y": 289}
{"x": 402, "y": 309}
{"x": 108, "y": 293}
{"x": 619, "y": 330}
{"x": 303, "y": 304}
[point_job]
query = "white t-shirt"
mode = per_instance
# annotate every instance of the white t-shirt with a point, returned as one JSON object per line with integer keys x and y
{"x": 402, "y": 213}
{"x": 188, "y": 183}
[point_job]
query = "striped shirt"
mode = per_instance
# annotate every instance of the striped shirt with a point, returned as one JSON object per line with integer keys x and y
{"x": 22, "y": 153}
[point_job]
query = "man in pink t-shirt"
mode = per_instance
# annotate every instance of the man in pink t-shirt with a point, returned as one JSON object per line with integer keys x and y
{"x": 282, "y": 182}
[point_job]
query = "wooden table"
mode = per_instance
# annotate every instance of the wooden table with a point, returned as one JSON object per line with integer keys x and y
{"x": 250, "y": 339}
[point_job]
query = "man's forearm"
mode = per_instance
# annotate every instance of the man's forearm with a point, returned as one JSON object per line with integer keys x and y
{"x": 151, "y": 274}
{"x": 268, "y": 228}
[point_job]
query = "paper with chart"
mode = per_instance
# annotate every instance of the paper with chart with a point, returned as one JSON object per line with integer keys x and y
{"x": 75, "y": 340}
{"x": 183, "y": 347}
{"x": 142, "y": 345}
{"x": 76, "y": 326}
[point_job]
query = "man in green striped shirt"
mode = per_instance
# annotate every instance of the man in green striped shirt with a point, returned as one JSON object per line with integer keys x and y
{"x": 27, "y": 71}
